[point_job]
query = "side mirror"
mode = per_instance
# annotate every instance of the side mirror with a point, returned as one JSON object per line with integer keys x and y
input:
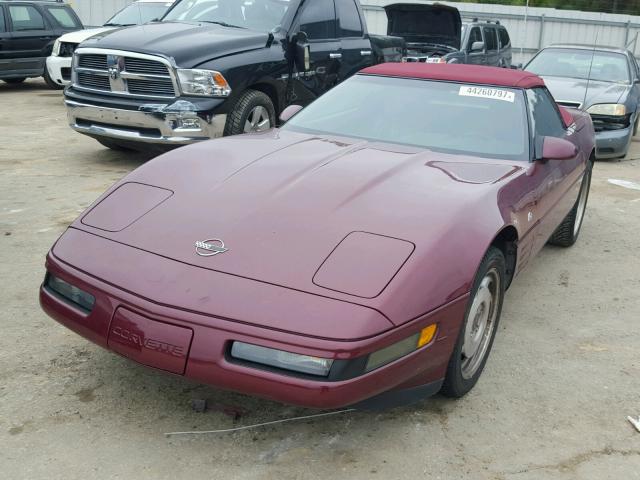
{"x": 289, "y": 112}
{"x": 477, "y": 46}
{"x": 554, "y": 148}
{"x": 302, "y": 52}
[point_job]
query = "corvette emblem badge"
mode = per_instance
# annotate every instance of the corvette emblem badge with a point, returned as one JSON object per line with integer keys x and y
{"x": 210, "y": 247}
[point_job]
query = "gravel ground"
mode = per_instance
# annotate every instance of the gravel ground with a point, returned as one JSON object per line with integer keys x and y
{"x": 552, "y": 403}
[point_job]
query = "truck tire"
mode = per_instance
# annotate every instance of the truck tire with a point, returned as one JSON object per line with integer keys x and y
{"x": 253, "y": 112}
{"x": 14, "y": 81}
{"x": 49, "y": 81}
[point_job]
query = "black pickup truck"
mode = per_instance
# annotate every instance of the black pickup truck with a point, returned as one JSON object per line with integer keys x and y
{"x": 217, "y": 67}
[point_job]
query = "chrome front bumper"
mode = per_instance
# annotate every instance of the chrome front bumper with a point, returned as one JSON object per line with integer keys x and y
{"x": 159, "y": 125}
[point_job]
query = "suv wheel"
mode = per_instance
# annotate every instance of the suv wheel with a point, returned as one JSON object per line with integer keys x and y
{"x": 49, "y": 81}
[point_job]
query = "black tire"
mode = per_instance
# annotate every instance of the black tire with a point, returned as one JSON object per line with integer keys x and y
{"x": 455, "y": 384}
{"x": 635, "y": 125}
{"x": 14, "y": 81}
{"x": 243, "y": 108}
{"x": 569, "y": 230}
{"x": 49, "y": 81}
{"x": 114, "y": 145}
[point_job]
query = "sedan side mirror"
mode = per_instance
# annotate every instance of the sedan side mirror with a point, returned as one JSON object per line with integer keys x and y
{"x": 554, "y": 148}
{"x": 477, "y": 46}
{"x": 302, "y": 52}
{"x": 289, "y": 112}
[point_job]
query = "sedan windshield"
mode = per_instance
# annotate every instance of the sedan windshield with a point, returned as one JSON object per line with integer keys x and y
{"x": 440, "y": 116}
{"x": 582, "y": 64}
{"x": 139, "y": 13}
{"x": 261, "y": 15}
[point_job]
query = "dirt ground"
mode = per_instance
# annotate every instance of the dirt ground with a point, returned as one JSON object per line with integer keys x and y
{"x": 552, "y": 403}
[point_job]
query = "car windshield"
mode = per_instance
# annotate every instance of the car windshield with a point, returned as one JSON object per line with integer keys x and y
{"x": 260, "y": 15}
{"x": 139, "y": 13}
{"x": 582, "y": 64}
{"x": 441, "y": 116}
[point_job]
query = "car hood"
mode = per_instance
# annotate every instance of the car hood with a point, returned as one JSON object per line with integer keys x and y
{"x": 301, "y": 211}
{"x": 573, "y": 90}
{"x": 80, "y": 36}
{"x": 433, "y": 24}
{"x": 189, "y": 44}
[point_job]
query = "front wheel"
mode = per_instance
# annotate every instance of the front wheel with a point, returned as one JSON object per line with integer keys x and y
{"x": 253, "y": 112}
{"x": 49, "y": 81}
{"x": 479, "y": 327}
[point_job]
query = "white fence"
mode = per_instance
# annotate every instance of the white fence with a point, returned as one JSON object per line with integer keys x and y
{"x": 530, "y": 30}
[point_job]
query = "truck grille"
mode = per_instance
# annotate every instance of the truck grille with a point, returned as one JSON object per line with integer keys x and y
{"x": 124, "y": 74}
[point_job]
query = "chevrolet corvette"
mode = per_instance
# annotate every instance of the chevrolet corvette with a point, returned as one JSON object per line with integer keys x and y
{"x": 358, "y": 255}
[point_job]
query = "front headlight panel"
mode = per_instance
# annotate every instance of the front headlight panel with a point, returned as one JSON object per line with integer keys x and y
{"x": 203, "y": 83}
{"x": 56, "y": 48}
{"x": 280, "y": 359}
{"x": 609, "y": 109}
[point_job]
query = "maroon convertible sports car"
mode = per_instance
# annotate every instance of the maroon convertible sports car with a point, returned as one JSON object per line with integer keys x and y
{"x": 357, "y": 255}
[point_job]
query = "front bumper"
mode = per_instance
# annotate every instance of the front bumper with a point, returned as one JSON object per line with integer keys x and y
{"x": 200, "y": 347}
{"x": 614, "y": 143}
{"x": 157, "y": 124}
{"x": 59, "y": 69}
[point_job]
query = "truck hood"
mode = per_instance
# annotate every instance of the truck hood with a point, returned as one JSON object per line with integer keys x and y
{"x": 300, "y": 211}
{"x": 189, "y": 44}
{"x": 575, "y": 90}
{"x": 432, "y": 24}
{"x": 81, "y": 35}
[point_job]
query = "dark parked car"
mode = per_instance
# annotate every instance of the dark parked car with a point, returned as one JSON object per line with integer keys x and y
{"x": 28, "y": 30}
{"x": 359, "y": 253}
{"x": 217, "y": 67}
{"x": 435, "y": 34}
{"x": 605, "y": 82}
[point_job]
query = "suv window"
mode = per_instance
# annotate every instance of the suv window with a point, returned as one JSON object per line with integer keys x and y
{"x": 504, "y": 38}
{"x": 2, "y": 28}
{"x": 474, "y": 36}
{"x": 63, "y": 17}
{"x": 318, "y": 19}
{"x": 490, "y": 38}
{"x": 545, "y": 117}
{"x": 25, "y": 17}
{"x": 349, "y": 17}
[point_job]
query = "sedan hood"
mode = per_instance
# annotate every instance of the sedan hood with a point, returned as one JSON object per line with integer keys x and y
{"x": 573, "y": 91}
{"x": 433, "y": 24}
{"x": 189, "y": 44}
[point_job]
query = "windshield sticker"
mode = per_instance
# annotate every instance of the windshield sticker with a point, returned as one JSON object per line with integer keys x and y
{"x": 485, "y": 92}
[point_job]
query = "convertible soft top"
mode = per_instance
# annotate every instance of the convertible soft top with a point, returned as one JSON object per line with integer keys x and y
{"x": 458, "y": 73}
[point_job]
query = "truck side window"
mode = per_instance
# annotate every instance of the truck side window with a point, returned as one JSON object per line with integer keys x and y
{"x": 474, "y": 36}
{"x": 349, "y": 18}
{"x": 318, "y": 20}
{"x": 504, "y": 38}
{"x": 490, "y": 38}
{"x": 545, "y": 116}
{"x": 25, "y": 17}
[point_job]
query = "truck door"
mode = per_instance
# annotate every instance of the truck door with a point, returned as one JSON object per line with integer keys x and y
{"x": 491, "y": 46}
{"x": 356, "y": 47}
{"x": 5, "y": 37}
{"x": 475, "y": 57}
{"x": 30, "y": 34}
{"x": 318, "y": 20}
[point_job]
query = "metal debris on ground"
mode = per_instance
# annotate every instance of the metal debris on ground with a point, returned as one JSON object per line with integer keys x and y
{"x": 625, "y": 184}
{"x": 635, "y": 423}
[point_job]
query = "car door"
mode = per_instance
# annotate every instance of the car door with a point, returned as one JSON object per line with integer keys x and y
{"x": 491, "y": 45}
{"x": 30, "y": 34}
{"x": 317, "y": 20}
{"x": 506, "y": 56}
{"x": 5, "y": 38}
{"x": 356, "y": 47}
{"x": 477, "y": 57}
{"x": 556, "y": 182}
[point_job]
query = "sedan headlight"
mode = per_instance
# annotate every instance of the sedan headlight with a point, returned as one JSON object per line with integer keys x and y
{"x": 56, "y": 48}
{"x": 610, "y": 109}
{"x": 281, "y": 359}
{"x": 205, "y": 83}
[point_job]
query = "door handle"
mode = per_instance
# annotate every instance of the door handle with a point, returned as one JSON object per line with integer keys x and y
{"x": 335, "y": 56}
{"x": 365, "y": 53}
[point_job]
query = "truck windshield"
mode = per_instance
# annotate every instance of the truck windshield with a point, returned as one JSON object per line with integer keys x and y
{"x": 440, "y": 116}
{"x": 138, "y": 13}
{"x": 261, "y": 15}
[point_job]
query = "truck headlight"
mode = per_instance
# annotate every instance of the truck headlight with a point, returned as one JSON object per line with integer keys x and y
{"x": 610, "y": 109}
{"x": 56, "y": 48}
{"x": 281, "y": 359}
{"x": 204, "y": 83}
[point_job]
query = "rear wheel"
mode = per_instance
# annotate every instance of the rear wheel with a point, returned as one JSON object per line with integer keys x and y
{"x": 569, "y": 230}
{"x": 253, "y": 112}
{"x": 14, "y": 81}
{"x": 479, "y": 327}
{"x": 49, "y": 81}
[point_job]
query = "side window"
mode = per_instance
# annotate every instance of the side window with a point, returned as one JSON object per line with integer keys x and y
{"x": 349, "y": 18}
{"x": 63, "y": 17}
{"x": 25, "y": 17}
{"x": 635, "y": 70}
{"x": 490, "y": 38}
{"x": 318, "y": 20}
{"x": 504, "y": 37}
{"x": 2, "y": 27}
{"x": 474, "y": 36}
{"x": 545, "y": 117}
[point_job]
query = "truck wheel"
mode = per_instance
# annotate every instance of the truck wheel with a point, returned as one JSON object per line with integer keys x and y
{"x": 49, "y": 81}
{"x": 114, "y": 145}
{"x": 14, "y": 81}
{"x": 567, "y": 233}
{"x": 253, "y": 112}
{"x": 479, "y": 327}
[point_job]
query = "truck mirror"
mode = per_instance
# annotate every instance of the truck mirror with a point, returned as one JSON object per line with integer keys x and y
{"x": 289, "y": 112}
{"x": 477, "y": 46}
{"x": 303, "y": 52}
